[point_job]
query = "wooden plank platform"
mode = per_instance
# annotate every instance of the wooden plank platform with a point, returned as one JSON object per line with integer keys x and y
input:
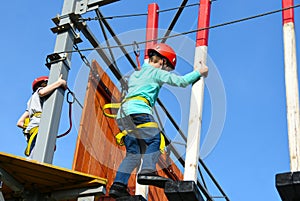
{"x": 42, "y": 177}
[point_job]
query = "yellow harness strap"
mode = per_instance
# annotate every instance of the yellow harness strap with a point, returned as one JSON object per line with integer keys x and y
{"x": 120, "y": 136}
{"x": 26, "y": 122}
{"x": 118, "y": 105}
{"x": 32, "y": 133}
{"x": 111, "y": 106}
{"x": 36, "y": 114}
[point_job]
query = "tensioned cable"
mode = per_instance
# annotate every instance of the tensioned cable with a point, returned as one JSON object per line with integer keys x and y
{"x": 170, "y": 9}
{"x": 137, "y": 14}
{"x": 192, "y": 31}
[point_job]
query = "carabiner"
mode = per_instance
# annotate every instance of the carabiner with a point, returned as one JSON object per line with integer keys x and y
{"x": 136, "y": 50}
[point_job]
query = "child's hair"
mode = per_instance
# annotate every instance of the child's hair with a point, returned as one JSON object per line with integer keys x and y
{"x": 155, "y": 58}
{"x": 40, "y": 84}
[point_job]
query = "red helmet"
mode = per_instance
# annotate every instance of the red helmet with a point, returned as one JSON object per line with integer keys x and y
{"x": 37, "y": 81}
{"x": 165, "y": 51}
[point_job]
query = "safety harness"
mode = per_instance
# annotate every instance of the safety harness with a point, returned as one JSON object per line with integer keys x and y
{"x": 120, "y": 136}
{"x": 31, "y": 136}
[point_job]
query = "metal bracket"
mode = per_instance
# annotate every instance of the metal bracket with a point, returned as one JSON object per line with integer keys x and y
{"x": 84, "y": 6}
{"x": 81, "y": 7}
{"x": 86, "y": 198}
{"x": 1, "y": 195}
{"x": 54, "y": 58}
{"x": 61, "y": 28}
{"x": 11, "y": 182}
{"x": 65, "y": 27}
{"x": 85, "y": 194}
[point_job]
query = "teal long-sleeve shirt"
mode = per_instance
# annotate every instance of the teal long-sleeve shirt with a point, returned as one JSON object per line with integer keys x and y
{"x": 147, "y": 83}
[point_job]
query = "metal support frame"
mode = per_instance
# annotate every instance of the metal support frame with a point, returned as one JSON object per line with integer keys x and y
{"x": 44, "y": 148}
{"x": 83, "y": 6}
{"x": 11, "y": 182}
{"x": 1, "y": 196}
{"x": 82, "y": 193}
{"x": 183, "y": 191}
{"x": 66, "y": 38}
{"x": 17, "y": 187}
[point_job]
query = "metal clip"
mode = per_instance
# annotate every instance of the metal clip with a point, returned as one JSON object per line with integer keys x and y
{"x": 136, "y": 49}
{"x": 54, "y": 58}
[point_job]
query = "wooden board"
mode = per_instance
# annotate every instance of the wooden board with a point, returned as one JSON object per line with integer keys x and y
{"x": 43, "y": 177}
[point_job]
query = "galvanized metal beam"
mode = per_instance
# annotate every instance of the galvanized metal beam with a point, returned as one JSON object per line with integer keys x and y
{"x": 83, "y": 6}
{"x": 11, "y": 182}
{"x": 46, "y": 140}
{"x": 84, "y": 193}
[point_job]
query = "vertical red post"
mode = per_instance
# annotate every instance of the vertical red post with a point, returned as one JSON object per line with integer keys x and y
{"x": 203, "y": 22}
{"x": 287, "y": 15}
{"x": 291, "y": 84}
{"x": 197, "y": 96}
{"x": 152, "y": 26}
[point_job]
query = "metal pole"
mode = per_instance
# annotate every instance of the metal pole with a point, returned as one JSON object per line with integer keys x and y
{"x": 196, "y": 102}
{"x": 45, "y": 145}
{"x": 291, "y": 84}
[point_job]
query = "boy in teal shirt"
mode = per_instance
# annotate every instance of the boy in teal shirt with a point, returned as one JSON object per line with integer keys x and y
{"x": 143, "y": 89}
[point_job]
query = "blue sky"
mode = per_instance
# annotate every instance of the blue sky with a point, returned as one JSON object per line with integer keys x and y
{"x": 248, "y": 57}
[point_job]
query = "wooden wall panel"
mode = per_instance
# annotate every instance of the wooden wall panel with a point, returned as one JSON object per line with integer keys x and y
{"x": 96, "y": 151}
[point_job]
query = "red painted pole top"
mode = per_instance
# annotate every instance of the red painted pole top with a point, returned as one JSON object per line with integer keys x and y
{"x": 203, "y": 22}
{"x": 287, "y": 15}
{"x": 152, "y": 26}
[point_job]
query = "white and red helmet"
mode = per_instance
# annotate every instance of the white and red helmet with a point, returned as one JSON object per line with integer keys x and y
{"x": 164, "y": 50}
{"x": 38, "y": 81}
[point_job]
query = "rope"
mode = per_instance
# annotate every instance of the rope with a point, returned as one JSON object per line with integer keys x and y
{"x": 189, "y": 32}
{"x": 70, "y": 112}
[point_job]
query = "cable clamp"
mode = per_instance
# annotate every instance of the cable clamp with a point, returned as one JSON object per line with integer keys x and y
{"x": 54, "y": 58}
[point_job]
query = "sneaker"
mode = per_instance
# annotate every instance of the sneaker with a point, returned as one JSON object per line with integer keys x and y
{"x": 147, "y": 177}
{"x": 118, "y": 190}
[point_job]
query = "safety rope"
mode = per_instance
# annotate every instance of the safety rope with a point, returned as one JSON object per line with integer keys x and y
{"x": 189, "y": 32}
{"x": 70, "y": 102}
